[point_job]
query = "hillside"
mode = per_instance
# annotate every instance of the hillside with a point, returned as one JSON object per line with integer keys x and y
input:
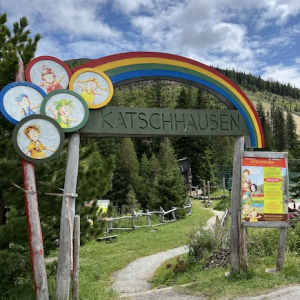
{"x": 256, "y": 97}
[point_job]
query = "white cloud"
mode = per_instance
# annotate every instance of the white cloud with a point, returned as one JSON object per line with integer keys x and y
{"x": 239, "y": 34}
{"x": 284, "y": 74}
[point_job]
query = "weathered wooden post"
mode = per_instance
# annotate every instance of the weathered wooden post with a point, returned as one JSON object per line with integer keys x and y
{"x": 162, "y": 214}
{"x": 235, "y": 205}
{"x": 204, "y": 193}
{"x": 148, "y": 217}
{"x": 34, "y": 232}
{"x": 281, "y": 248}
{"x": 33, "y": 219}
{"x": 65, "y": 256}
{"x": 75, "y": 286}
{"x": 224, "y": 186}
{"x": 173, "y": 214}
{"x": 208, "y": 193}
{"x": 132, "y": 219}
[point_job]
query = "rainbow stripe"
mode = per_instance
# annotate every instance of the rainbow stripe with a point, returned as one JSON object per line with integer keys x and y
{"x": 136, "y": 66}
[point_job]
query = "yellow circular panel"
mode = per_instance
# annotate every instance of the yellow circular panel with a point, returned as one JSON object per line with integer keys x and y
{"x": 94, "y": 86}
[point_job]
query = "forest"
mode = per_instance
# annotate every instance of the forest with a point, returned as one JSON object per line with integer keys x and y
{"x": 134, "y": 173}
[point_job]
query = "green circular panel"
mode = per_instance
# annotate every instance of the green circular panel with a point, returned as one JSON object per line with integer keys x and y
{"x": 38, "y": 138}
{"x": 67, "y": 108}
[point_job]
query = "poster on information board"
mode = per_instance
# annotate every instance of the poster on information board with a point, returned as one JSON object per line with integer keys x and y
{"x": 264, "y": 189}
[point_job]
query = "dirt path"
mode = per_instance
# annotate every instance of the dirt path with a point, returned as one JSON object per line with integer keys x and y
{"x": 132, "y": 282}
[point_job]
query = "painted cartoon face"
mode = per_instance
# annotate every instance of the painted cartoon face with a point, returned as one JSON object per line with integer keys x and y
{"x": 246, "y": 173}
{"x": 246, "y": 207}
{"x": 91, "y": 85}
{"x": 49, "y": 77}
{"x": 65, "y": 110}
{"x": 33, "y": 135}
{"x": 246, "y": 185}
{"x": 24, "y": 103}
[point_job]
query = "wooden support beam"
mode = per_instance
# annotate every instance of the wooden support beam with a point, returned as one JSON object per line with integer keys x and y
{"x": 65, "y": 256}
{"x": 235, "y": 205}
{"x": 34, "y": 232}
{"x": 75, "y": 285}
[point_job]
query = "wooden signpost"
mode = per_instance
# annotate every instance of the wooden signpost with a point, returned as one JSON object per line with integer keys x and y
{"x": 33, "y": 220}
{"x": 265, "y": 193}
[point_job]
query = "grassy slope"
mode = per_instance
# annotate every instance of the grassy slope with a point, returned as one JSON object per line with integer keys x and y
{"x": 255, "y": 97}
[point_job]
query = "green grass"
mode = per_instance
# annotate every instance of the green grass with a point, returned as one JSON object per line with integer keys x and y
{"x": 215, "y": 285}
{"x": 98, "y": 260}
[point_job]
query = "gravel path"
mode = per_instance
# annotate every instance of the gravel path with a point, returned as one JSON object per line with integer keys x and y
{"x": 133, "y": 281}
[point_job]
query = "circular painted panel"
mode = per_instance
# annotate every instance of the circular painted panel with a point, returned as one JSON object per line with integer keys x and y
{"x": 19, "y": 100}
{"x": 49, "y": 73}
{"x": 67, "y": 108}
{"x": 94, "y": 86}
{"x": 38, "y": 138}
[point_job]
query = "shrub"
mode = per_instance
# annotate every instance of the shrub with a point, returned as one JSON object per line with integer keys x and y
{"x": 204, "y": 244}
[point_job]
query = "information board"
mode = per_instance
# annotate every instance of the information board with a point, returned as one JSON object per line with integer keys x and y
{"x": 264, "y": 188}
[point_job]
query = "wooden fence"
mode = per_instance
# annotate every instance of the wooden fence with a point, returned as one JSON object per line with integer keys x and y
{"x": 204, "y": 193}
{"x": 135, "y": 215}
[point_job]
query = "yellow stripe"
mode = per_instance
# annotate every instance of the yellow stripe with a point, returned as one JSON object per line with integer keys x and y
{"x": 145, "y": 60}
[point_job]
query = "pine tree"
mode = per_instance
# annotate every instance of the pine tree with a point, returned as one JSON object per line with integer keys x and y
{"x": 169, "y": 189}
{"x": 182, "y": 100}
{"x": 148, "y": 171}
{"x": 291, "y": 132}
{"x": 126, "y": 173}
{"x": 12, "y": 44}
{"x": 266, "y": 126}
{"x": 279, "y": 130}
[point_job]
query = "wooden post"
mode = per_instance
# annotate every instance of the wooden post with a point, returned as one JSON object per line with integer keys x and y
{"x": 65, "y": 256}
{"x": 162, "y": 215}
{"x": 148, "y": 217}
{"x": 235, "y": 205}
{"x": 75, "y": 285}
{"x": 34, "y": 232}
{"x": 208, "y": 193}
{"x": 33, "y": 218}
{"x": 173, "y": 213}
{"x": 243, "y": 247}
{"x": 281, "y": 248}
{"x": 132, "y": 219}
{"x": 204, "y": 189}
{"x": 224, "y": 186}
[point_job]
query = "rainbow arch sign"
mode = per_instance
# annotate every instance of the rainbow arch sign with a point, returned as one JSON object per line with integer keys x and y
{"x": 131, "y": 67}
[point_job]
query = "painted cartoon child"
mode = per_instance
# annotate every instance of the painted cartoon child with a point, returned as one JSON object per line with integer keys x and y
{"x": 26, "y": 109}
{"x": 49, "y": 80}
{"x": 254, "y": 215}
{"x": 246, "y": 184}
{"x": 35, "y": 147}
{"x": 246, "y": 208}
{"x": 89, "y": 89}
{"x": 63, "y": 112}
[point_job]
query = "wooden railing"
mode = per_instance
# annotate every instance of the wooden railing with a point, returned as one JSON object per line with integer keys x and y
{"x": 135, "y": 215}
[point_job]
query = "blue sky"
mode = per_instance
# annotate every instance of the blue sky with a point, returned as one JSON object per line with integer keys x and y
{"x": 257, "y": 36}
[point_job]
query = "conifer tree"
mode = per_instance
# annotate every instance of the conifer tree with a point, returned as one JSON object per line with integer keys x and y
{"x": 148, "y": 171}
{"x": 126, "y": 173}
{"x": 169, "y": 189}
{"x": 291, "y": 132}
{"x": 279, "y": 130}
